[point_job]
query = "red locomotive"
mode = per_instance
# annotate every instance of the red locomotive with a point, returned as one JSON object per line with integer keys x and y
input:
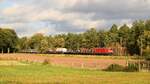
{"x": 102, "y": 51}
{"x": 96, "y": 51}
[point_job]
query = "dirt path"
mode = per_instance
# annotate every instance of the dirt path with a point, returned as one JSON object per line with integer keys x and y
{"x": 80, "y": 62}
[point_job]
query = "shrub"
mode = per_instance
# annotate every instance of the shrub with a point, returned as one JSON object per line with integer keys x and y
{"x": 46, "y": 61}
{"x": 115, "y": 67}
{"x": 132, "y": 68}
{"x": 129, "y": 68}
{"x": 147, "y": 57}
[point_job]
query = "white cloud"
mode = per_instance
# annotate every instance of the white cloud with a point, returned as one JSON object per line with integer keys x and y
{"x": 48, "y": 14}
{"x": 43, "y": 31}
{"x": 31, "y": 16}
{"x": 126, "y": 21}
{"x": 10, "y": 10}
{"x": 88, "y": 23}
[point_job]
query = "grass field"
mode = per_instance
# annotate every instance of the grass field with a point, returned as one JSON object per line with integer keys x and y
{"x": 11, "y": 63}
{"x": 46, "y": 74}
{"x": 76, "y": 61}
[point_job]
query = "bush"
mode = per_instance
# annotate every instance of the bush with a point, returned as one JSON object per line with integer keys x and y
{"x": 46, "y": 61}
{"x": 132, "y": 68}
{"x": 129, "y": 68}
{"x": 147, "y": 57}
{"x": 115, "y": 67}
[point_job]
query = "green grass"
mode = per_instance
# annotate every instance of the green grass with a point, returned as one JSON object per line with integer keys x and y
{"x": 37, "y": 73}
{"x": 10, "y": 62}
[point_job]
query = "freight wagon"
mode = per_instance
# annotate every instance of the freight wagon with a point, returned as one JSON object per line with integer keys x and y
{"x": 92, "y": 51}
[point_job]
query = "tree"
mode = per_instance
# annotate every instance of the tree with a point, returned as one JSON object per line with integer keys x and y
{"x": 8, "y": 40}
{"x": 43, "y": 47}
{"x": 23, "y": 44}
{"x": 124, "y": 35}
{"x": 147, "y": 25}
{"x": 50, "y": 40}
{"x": 104, "y": 39}
{"x": 146, "y": 43}
{"x": 35, "y": 41}
{"x": 135, "y": 35}
{"x": 58, "y": 41}
{"x": 72, "y": 41}
{"x": 113, "y": 33}
{"x": 114, "y": 28}
{"x": 92, "y": 38}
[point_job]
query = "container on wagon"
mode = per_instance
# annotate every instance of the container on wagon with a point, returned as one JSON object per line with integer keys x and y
{"x": 61, "y": 50}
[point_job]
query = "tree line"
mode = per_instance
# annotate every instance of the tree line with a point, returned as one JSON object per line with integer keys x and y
{"x": 134, "y": 40}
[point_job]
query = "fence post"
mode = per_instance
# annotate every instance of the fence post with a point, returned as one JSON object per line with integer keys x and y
{"x": 82, "y": 65}
{"x": 2, "y": 51}
{"x": 149, "y": 66}
{"x": 127, "y": 62}
{"x": 72, "y": 64}
{"x": 8, "y": 50}
{"x": 139, "y": 64}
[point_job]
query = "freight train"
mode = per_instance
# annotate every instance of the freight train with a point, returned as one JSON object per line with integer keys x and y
{"x": 82, "y": 51}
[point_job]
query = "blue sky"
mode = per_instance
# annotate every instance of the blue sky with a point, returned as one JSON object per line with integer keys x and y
{"x": 28, "y": 17}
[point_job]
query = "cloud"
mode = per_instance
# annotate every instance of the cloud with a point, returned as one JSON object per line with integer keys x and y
{"x": 1, "y": 0}
{"x": 61, "y": 16}
{"x": 10, "y": 11}
{"x": 109, "y": 9}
